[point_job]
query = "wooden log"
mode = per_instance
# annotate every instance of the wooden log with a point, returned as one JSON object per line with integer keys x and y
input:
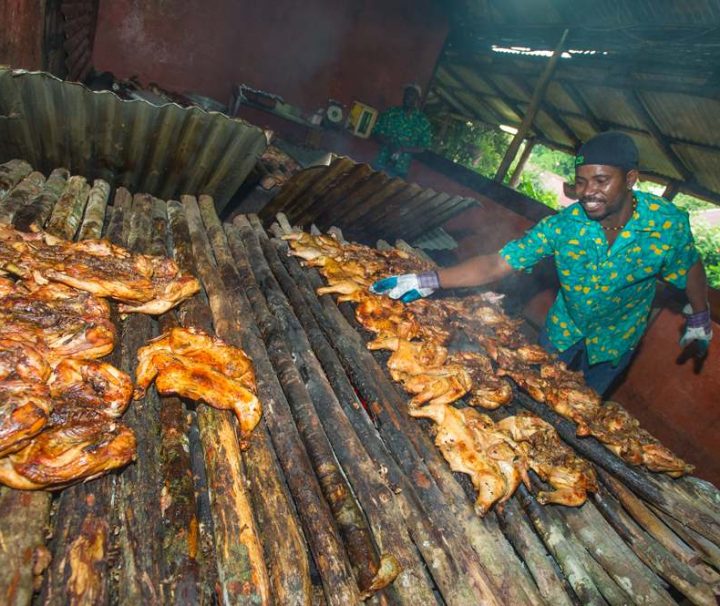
{"x": 559, "y": 542}
{"x": 66, "y": 215}
{"x": 40, "y": 208}
{"x": 20, "y": 196}
{"x": 652, "y": 553}
{"x": 702, "y": 489}
{"x": 24, "y": 556}
{"x": 552, "y": 585}
{"x": 84, "y": 541}
{"x": 113, "y": 229}
{"x": 94, "y": 217}
{"x": 326, "y": 416}
{"x": 708, "y": 550}
{"x": 649, "y": 521}
{"x": 319, "y": 526}
{"x": 254, "y": 273}
{"x": 138, "y": 489}
{"x": 11, "y": 173}
{"x": 82, "y": 545}
{"x": 655, "y": 490}
{"x": 609, "y": 550}
{"x": 184, "y": 567}
{"x": 442, "y": 497}
{"x": 348, "y": 424}
{"x": 193, "y": 312}
{"x": 242, "y": 529}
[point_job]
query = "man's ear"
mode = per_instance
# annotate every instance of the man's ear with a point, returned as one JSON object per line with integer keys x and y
{"x": 631, "y": 178}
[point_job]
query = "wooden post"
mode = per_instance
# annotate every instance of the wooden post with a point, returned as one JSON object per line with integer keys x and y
{"x": 671, "y": 190}
{"x": 532, "y": 109}
{"x": 527, "y": 150}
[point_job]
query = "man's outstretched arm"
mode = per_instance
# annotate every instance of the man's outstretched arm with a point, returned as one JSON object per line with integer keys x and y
{"x": 476, "y": 271}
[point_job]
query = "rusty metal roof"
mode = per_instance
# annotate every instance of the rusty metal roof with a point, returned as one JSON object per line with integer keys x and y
{"x": 648, "y": 68}
{"x": 163, "y": 150}
{"x": 364, "y": 203}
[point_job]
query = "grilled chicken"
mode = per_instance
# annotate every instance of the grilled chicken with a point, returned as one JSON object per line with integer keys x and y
{"x": 90, "y": 383}
{"x": 65, "y": 454}
{"x": 194, "y": 365}
{"x": 24, "y": 411}
{"x": 141, "y": 282}
{"x": 622, "y": 434}
{"x": 488, "y": 391}
{"x": 411, "y": 357}
{"x": 439, "y": 378}
{"x": 22, "y": 361}
{"x": 441, "y": 385}
{"x": 471, "y": 445}
{"x": 570, "y": 476}
{"x": 57, "y": 323}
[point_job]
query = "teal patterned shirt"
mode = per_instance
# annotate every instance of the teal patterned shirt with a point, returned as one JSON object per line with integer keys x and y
{"x": 402, "y": 130}
{"x": 606, "y": 293}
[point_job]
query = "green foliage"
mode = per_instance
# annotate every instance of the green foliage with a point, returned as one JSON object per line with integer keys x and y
{"x": 553, "y": 161}
{"x": 707, "y": 241}
{"x": 691, "y": 204}
{"x": 532, "y": 187}
{"x": 475, "y": 146}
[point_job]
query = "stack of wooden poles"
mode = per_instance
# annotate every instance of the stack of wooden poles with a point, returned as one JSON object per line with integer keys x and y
{"x": 341, "y": 497}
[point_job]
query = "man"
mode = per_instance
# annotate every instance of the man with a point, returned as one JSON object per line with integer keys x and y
{"x": 609, "y": 248}
{"x": 402, "y": 131}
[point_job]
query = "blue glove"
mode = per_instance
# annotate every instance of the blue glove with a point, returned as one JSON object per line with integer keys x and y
{"x": 407, "y": 287}
{"x": 698, "y": 327}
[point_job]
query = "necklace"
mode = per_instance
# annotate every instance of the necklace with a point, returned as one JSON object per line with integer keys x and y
{"x": 619, "y": 227}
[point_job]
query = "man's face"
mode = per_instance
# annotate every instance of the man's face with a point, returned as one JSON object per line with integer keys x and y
{"x": 602, "y": 189}
{"x": 410, "y": 98}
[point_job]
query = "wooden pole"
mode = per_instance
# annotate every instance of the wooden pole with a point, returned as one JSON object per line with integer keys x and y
{"x": 244, "y": 509}
{"x": 527, "y": 150}
{"x": 532, "y": 109}
{"x": 671, "y": 190}
{"x": 274, "y": 360}
{"x": 448, "y": 505}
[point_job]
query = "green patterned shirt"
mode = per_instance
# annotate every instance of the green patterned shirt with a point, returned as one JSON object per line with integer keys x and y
{"x": 402, "y": 130}
{"x": 606, "y": 293}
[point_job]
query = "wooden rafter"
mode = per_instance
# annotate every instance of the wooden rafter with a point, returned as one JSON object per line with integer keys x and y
{"x": 549, "y": 109}
{"x": 498, "y": 94}
{"x": 462, "y": 107}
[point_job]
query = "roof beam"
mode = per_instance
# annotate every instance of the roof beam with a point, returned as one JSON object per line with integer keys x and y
{"x": 550, "y": 110}
{"x": 529, "y": 117}
{"x": 509, "y": 102}
{"x": 463, "y": 108}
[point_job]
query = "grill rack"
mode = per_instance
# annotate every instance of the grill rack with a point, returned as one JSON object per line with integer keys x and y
{"x": 326, "y": 488}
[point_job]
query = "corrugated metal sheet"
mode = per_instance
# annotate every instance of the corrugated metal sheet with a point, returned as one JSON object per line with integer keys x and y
{"x": 165, "y": 150}
{"x": 364, "y": 203}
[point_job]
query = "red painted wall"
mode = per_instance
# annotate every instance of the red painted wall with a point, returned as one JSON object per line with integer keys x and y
{"x": 306, "y": 51}
{"x": 22, "y": 25}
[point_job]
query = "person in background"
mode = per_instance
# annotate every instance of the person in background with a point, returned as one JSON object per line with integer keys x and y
{"x": 609, "y": 249}
{"x": 402, "y": 131}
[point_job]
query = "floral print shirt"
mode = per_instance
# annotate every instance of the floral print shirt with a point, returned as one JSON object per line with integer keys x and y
{"x": 606, "y": 292}
{"x": 402, "y": 130}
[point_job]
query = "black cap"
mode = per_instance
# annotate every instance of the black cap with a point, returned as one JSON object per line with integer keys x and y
{"x": 609, "y": 149}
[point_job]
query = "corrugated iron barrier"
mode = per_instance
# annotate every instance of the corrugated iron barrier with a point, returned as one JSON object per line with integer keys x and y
{"x": 165, "y": 151}
{"x": 364, "y": 203}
